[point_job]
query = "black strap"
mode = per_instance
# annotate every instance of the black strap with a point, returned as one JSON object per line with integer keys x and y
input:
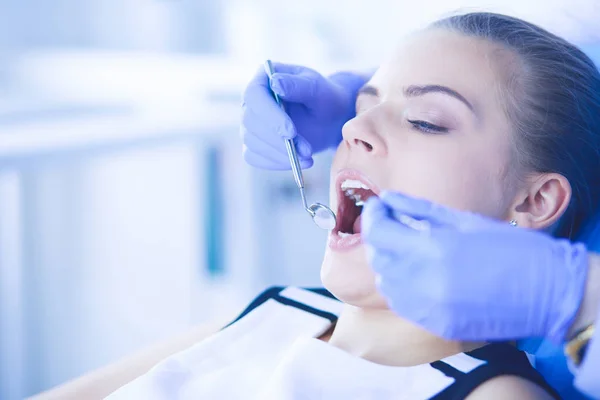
{"x": 502, "y": 359}
{"x": 323, "y": 292}
{"x": 448, "y": 370}
{"x": 274, "y": 294}
{"x": 289, "y": 302}
{"x": 259, "y": 300}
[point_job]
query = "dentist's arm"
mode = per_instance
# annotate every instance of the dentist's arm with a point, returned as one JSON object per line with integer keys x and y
{"x": 474, "y": 279}
{"x": 590, "y": 305}
{"x": 587, "y": 376}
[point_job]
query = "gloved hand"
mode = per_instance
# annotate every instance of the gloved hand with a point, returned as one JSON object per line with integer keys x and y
{"x": 317, "y": 108}
{"x": 468, "y": 277}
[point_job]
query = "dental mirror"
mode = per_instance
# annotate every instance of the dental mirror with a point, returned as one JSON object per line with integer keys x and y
{"x": 322, "y": 215}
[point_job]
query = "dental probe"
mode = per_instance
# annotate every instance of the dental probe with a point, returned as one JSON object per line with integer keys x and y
{"x": 321, "y": 215}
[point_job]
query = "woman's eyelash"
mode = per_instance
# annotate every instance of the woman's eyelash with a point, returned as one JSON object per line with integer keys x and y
{"x": 427, "y": 127}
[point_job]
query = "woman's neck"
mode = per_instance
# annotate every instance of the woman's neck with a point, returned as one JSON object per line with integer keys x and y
{"x": 382, "y": 337}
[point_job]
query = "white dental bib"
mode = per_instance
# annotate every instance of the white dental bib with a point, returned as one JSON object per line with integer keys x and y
{"x": 272, "y": 353}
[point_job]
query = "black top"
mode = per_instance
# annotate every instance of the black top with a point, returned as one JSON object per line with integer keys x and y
{"x": 501, "y": 358}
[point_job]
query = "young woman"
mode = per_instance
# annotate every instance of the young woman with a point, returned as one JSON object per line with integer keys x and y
{"x": 550, "y": 287}
{"x": 443, "y": 120}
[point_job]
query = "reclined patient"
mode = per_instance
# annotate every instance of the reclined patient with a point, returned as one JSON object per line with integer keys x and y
{"x": 463, "y": 115}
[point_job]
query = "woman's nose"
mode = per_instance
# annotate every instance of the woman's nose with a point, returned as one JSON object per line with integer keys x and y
{"x": 362, "y": 134}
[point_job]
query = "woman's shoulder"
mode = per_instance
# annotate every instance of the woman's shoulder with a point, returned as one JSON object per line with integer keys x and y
{"x": 509, "y": 387}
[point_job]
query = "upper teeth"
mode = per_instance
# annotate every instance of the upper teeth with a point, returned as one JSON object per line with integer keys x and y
{"x": 353, "y": 184}
{"x": 356, "y": 197}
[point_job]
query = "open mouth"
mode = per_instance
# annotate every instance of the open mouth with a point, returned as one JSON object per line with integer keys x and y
{"x": 354, "y": 189}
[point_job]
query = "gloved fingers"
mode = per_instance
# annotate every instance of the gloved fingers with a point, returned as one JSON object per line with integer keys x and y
{"x": 289, "y": 68}
{"x": 396, "y": 279}
{"x": 393, "y": 266}
{"x": 268, "y": 149}
{"x": 398, "y": 297}
{"x": 259, "y": 126}
{"x": 293, "y": 82}
{"x": 382, "y": 258}
{"x": 261, "y": 111}
{"x": 272, "y": 125}
{"x": 373, "y": 212}
{"x": 267, "y": 119}
{"x": 384, "y": 263}
{"x": 301, "y": 88}
{"x": 276, "y": 153}
{"x": 420, "y": 209}
{"x": 257, "y": 88}
{"x": 266, "y": 144}
{"x": 382, "y": 232}
{"x": 262, "y": 162}
{"x": 258, "y": 161}
{"x": 303, "y": 148}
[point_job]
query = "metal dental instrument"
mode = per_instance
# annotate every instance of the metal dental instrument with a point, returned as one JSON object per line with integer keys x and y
{"x": 321, "y": 215}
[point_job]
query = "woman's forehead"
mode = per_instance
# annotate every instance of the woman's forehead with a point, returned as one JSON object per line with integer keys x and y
{"x": 440, "y": 57}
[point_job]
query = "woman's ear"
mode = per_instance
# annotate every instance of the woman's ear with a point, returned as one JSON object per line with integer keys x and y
{"x": 542, "y": 201}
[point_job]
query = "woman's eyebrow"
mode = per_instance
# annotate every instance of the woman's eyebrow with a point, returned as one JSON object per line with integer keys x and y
{"x": 368, "y": 90}
{"x": 416, "y": 90}
{"x": 413, "y": 91}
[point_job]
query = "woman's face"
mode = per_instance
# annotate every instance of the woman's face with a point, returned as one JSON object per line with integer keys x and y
{"x": 429, "y": 124}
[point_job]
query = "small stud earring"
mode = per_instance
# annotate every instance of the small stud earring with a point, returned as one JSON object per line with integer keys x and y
{"x": 513, "y": 222}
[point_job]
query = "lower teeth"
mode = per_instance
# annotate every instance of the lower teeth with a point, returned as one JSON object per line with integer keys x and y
{"x": 344, "y": 234}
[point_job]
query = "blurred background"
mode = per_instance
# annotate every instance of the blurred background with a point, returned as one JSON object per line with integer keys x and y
{"x": 127, "y": 214}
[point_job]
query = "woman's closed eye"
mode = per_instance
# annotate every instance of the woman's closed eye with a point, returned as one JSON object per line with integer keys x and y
{"x": 427, "y": 127}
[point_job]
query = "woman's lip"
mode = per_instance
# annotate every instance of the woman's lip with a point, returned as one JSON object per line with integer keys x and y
{"x": 354, "y": 174}
{"x": 339, "y": 243}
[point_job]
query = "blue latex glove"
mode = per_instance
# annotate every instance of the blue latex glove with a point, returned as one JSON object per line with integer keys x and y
{"x": 472, "y": 278}
{"x": 317, "y": 108}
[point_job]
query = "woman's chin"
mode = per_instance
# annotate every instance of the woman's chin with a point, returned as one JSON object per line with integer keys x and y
{"x": 349, "y": 277}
